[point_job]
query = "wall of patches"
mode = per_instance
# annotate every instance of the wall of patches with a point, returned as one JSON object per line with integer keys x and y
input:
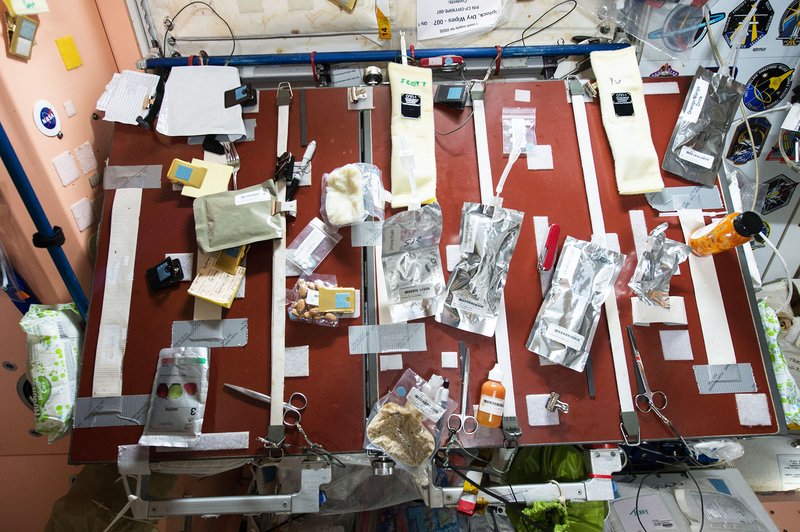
{"x": 767, "y": 63}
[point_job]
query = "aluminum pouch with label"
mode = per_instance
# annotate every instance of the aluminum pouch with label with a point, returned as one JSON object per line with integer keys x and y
{"x": 237, "y": 217}
{"x": 412, "y": 264}
{"x": 488, "y": 237}
{"x": 697, "y": 144}
{"x": 568, "y": 318}
{"x": 656, "y": 266}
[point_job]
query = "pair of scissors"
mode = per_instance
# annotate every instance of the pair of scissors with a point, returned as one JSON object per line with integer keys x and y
{"x": 291, "y": 410}
{"x": 463, "y": 422}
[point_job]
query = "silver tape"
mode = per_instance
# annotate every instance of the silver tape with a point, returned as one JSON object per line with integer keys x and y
{"x": 210, "y": 333}
{"x": 124, "y": 410}
{"x": 387, "y": 338}
{"x": 688, "y": 197}
{"x": 136, "y": 176}
{"x": 725, "y": 378}
{"x": 214, "y": 441}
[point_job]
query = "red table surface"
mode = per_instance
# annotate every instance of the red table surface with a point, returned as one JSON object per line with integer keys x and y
{"x": 335, "y": 414}
{"x": 559, "y": 194}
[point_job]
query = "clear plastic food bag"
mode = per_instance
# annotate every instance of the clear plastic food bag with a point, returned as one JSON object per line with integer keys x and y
{"x": 519, "y": 128}
{"x": 312, "y": 245}
{"x": 178, "y": 399}
{"x": 303, "y": 300}
{"x": 351, "y": 194}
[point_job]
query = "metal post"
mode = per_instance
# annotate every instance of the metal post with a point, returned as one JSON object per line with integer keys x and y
{"x": 46, "y": 232}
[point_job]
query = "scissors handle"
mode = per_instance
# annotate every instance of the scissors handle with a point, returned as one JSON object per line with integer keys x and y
{"x": 646, "y": 402}
{"x": 297, "y": 401}
{"x": 462, "y": 423}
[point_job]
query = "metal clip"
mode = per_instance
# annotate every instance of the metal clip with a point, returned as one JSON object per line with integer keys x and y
{"x": 354, "y": 94}
{"x": 287, "y": 207}
{"x": 590, "y": 89}
{"x": 284, "y": 93}
{"x": 511, "y": 431}
{"x": 554, "y": 403}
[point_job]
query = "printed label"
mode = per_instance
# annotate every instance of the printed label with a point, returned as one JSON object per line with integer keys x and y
{"x": 475, "y": 224}
{"x": 410, "y": 105}
{"x": 255, "y": 196}
{"x": 491, "y": 405}
{"x": 468, "y": 303}
{"x": 792, "y": 120}
{"x": 425, "y": 404}
{"x": 413, "y": 293}
{"x": 312, "y": 297}
{"x": 570, "y": 258}
{"x": 696, "y": 157}
{"x": 694, "y": 104}
{"x": 564, "y": 336}
{"x": 623, "y": 103}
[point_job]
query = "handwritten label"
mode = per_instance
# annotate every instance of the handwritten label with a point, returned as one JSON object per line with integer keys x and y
{"x": 439, "y": 18}
{"x": 696, "y": 157}
{"x": 694, "y": 104}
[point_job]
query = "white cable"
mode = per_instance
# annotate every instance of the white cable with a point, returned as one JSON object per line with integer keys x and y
{"x": 512, "y": 158}
{"x": 765, "y": 112}
{"x": 790, "y": 285}
{"x": 403, "y": 54}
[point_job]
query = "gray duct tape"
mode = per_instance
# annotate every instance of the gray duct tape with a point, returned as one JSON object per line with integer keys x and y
{"x": 137, "y": 176}
{"x": 117, "y": 411}
{"x": 387, "y": 338}
{"x": 725, "y": 378}
{"x": 689, "y": 197}
{"x": 210, "y": 333}
{"x": 366, "y": 234}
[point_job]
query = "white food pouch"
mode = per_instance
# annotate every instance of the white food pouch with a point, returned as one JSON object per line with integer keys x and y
{"x": 412, "y": 119}
{"x": 178, "y": 400}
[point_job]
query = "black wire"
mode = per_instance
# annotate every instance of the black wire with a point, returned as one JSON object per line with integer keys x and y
{"x": 233, "y": 37}
{"x": 699, "y": 493}
{"x": 281, "y": 525}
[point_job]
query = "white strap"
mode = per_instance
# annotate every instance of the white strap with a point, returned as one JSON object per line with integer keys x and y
{"x": 278, "y": 341}
{"x": 487, "y": 194}
{"x": 113, "y": 332}
{"x": 599, "y": 230}
{"x": 707, "y": 294}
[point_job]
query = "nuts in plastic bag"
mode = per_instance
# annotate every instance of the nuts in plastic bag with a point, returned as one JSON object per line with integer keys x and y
{"x": 304, "y": 300}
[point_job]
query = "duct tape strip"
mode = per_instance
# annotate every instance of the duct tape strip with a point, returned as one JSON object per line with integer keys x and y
{"x": 124, "y": 410}
{"x": 137, "y": 176}
{"x": 214, "y": 441}
{"x": 725, "y": 378}
{"x": 392, "y": 338}
{"x": 540, "y": 226}
{"x": 113, "y": 332}
{"x": 366, "y": 234}
{"x": 710, "y": 307}
{"x": 210, "y": 333}
{"x": 688, "y": 197}
{"x": 629, "y": 419}
{"x": 639, "y": 230}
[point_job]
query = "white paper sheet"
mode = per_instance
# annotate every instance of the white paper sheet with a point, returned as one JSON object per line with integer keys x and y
{"x": 439, "y": 18}
{"x": 124, "y": 98}
{"x": 194, "y": 102}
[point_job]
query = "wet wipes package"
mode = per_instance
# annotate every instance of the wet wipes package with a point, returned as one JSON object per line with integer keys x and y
{"x": 488, "y": 237}
{"x": 412, "y": 263}
{"x": 657, "y": 265}
{"x": 178, "y": 399}
{"x": 568, "y": 318}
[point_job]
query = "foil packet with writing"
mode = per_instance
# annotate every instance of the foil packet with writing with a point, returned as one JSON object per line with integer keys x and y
{"x": 564, "y": 328}
{"x": 412, "y": 264}
{"x": 656, "y": 266}
{"x": 488, "y": 237}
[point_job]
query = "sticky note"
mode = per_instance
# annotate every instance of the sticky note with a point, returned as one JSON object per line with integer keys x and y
{"x": 216, "y": 180}
{"x": 69, "y": 52}
{"x": 66, "y": 168}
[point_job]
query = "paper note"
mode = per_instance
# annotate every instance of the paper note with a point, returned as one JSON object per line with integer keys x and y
{"x": 346, "y": 76}
{"x": 69, "y": 52}
{"x": 86, "y": 158}
{"x": 66, "y": 168}
{"x": 439, "y": 18}
{"x": 216, "y": 180}
{"x": 789, "y": 466}
{"x": 213, "y": 284}
{"x": 83, "y": 214}
{"x": 27, "y": 7}
{"x": 124, "y": 98}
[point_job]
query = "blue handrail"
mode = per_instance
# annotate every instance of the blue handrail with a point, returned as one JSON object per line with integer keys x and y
{"x": 46, "y": 232}
{"x": 382, "y": 56}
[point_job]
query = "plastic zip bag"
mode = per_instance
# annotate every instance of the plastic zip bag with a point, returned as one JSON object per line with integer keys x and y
{"x": 54, "y": 338}
{"x": 519, "y": 128}
{"x": 303, "y": 300}
{"x": 351, "y": 194}
{"x": 312, "y": 245}
{"x": 178, "y": 398}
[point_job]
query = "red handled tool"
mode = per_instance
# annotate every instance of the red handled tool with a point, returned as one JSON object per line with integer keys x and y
{"x": 548, "y": 255}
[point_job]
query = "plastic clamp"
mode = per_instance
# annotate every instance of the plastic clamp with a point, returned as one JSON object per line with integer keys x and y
{"x": 53, "y": 241}
{"x": 314, "y": 66}
{"x": 413, "y": 54}
{"x": 190, "y": 60}
{"x": 499, "y": 60}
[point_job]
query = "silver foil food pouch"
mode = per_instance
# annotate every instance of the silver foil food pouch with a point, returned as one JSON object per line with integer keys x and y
{"x": 412, "y": 264}
{"x": 488, "y": 237}
{"x": 656, "y": 266}
{"x": 698, "y": 140}
{"x": 567, "y": 320}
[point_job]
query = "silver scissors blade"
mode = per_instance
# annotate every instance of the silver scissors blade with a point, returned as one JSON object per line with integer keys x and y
{"x": 258, "y": 396}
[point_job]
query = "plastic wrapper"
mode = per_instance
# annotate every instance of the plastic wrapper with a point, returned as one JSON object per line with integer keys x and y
{"x": 519, "y": 128}
{"x": 564, "y": 328}
{"x": 8, "y": 279}
{"x": 488, "y": 237}
{"x": 412, "y": 263}
{"x": 351, "y": 194}
{"x": 303, "y": 301}
{"x": 697, "y": 145}
{"x": 312, "y": 245}
{"x": 656, "y": 266}
{"x": 178, "y": 399}
{"x": 236, "y": 217}
{"x": 752, "y": 198}
{"x": 54, "y": 339}
{"x": 407, "y": 423}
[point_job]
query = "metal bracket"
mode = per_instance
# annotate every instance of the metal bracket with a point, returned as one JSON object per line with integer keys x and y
{"x": 359, "y": 98}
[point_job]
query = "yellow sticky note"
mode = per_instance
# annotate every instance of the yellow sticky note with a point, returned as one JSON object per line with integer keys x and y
{"x": 69, "y": 52}
{"x": 216, "y": 180}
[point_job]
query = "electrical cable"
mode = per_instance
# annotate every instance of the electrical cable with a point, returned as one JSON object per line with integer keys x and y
{"x": 699, "y": 493}
{"x": 789, "y": 283}
{"x": 233, "y": 37}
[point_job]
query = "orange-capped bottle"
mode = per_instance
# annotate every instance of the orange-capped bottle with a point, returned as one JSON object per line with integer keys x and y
{"x": 493, "y": 399}
{"x": 733, "y": 230}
